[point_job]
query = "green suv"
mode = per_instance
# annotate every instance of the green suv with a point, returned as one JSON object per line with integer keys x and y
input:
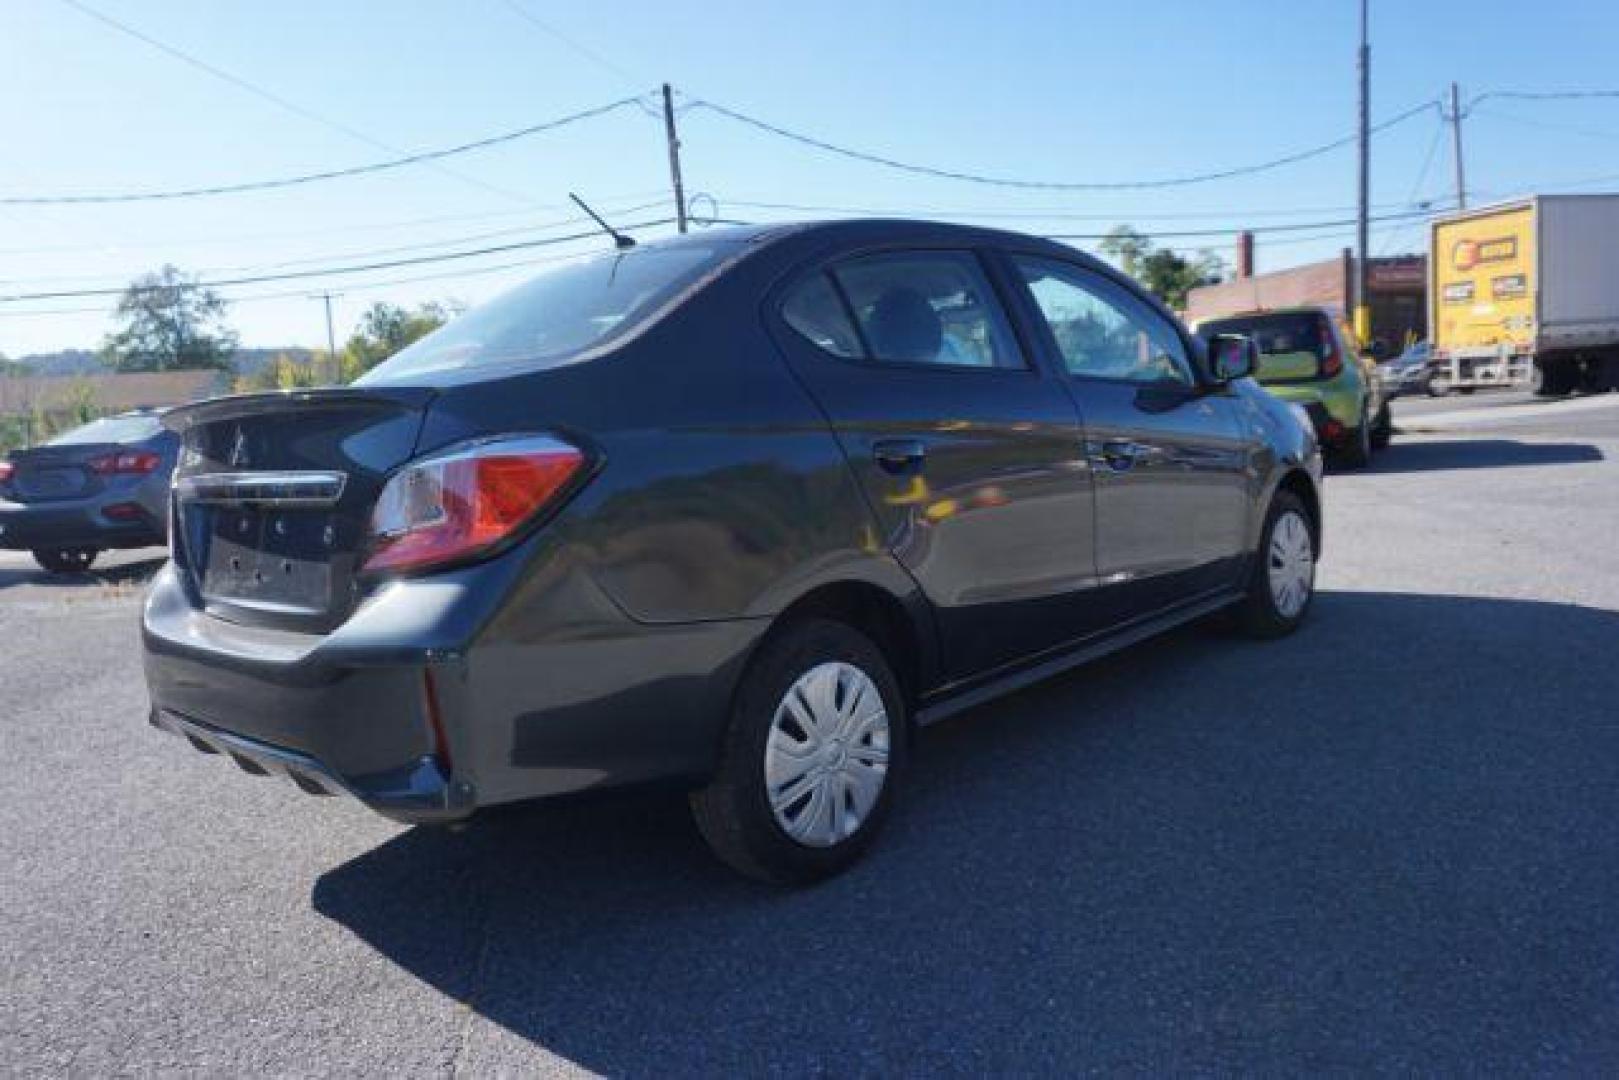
{"x": 1306, "y": 358}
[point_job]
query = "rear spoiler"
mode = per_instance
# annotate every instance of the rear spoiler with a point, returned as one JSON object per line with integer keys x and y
{"x": 235, "y": 406}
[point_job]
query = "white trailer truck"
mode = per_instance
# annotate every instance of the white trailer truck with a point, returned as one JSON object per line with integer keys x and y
{"x": 1527, "y": 292}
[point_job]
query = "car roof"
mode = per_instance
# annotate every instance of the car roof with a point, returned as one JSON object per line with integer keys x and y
{"x": 1298, "y": 309}
{"x": 857, "y": 231}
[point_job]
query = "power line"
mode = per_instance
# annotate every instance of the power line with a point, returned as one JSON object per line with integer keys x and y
{"x": 221, "y": 239}
{"x": 368, "y": 286}
{"x": 1304, "y": 226}
{"x": 1047, "y": 185}
{"x": 329, "y": 174}
{"x": 295, "y": 275}
{"x": 1542, "y": 95}
{"x": 601, "y": 61}
{"x": 481, "y": 271}
{"x": 1551, "y": 125}
{"x": 1422, "y": 177}
{"x": 1059, "y": 214}
{"x": 368, "y": 254}
{"x": 272, "y": 97}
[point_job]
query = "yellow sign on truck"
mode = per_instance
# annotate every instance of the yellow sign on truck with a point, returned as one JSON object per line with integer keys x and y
{"x": 1527, "y": 292}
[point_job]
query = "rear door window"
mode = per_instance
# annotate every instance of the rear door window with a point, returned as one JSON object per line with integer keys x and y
{"x": 814, "y": 309}
{"x": 916, "y": 307}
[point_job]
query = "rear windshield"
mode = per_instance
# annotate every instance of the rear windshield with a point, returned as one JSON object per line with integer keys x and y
{"x": 112, "y": 429}
{"x": 1273, "y": 335}
{"x": 559, "y": 313}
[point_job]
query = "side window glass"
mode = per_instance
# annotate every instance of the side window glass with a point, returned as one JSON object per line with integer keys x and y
{"x": 928, "y": 307}
{"x": 1100, "y": 332}
{"x": 813, "y": 309}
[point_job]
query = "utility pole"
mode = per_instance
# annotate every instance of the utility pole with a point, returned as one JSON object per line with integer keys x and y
{"x": 1456, "y": 141}
{"x": 331, "y": 338}
{"x": 1363, "y": 311}
{"x": 674, "y": 156}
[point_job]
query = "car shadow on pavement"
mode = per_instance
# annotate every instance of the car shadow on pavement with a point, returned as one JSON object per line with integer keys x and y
{"x": 1479, "y": 454}
{"x": 1385, "y": 842}
{"x": 136, "y": 572}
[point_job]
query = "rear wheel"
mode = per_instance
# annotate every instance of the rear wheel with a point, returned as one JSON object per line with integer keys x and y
{"x": 811, "y": 758}
{"x": 1438, "y": 384}
{"x": 1283, "y": 581}
{"x": 1382, "y": 428}
{"x": 1550, "y": 380}
{"x": 66, "y": 560}
{"x": 1357, "y": 452}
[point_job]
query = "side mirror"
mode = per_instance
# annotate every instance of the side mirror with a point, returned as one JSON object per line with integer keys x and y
{"x": 1232, "y": 357}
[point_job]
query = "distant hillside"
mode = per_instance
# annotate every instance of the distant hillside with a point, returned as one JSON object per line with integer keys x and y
{"x": 85, "y": 362}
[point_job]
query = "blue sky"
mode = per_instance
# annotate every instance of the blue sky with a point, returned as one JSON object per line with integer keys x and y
{"x": 1074, "y": 91}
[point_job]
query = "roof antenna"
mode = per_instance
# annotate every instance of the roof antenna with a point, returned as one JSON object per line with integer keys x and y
{"x": 620, "y": 241}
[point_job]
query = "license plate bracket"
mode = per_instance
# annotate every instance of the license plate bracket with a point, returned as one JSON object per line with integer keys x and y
{"x": 269, "y": 558}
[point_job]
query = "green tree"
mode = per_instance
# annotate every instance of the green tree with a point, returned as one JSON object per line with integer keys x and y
{"x": 385, "y": 329}
{"x": 1165, "y": 273}
{"x": 284, "y": 372}
{"x": 1127, "y": 248}
{"x": 170, "y": 323}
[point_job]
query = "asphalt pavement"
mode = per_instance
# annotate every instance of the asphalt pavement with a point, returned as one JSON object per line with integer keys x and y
{"x": 1386, "y": 844}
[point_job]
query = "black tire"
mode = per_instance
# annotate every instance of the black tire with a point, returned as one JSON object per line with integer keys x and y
{"x": 1258, "y": 613}
{"x": 66, "y": 560}
{"x": 733, "y": 812}
{"x": 1357, "y": 452}
{"x": 1382, "y": 428}
{"x": 1436, "y": 385}
{"x": 1550, "y": 381}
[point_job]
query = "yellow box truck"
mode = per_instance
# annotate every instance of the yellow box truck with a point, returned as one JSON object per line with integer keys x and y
{"x": 1527, "y": 292}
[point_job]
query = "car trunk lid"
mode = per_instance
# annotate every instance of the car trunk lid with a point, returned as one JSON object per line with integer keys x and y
{"x": 55, "y": 473}
{"x": 273, "y": 494}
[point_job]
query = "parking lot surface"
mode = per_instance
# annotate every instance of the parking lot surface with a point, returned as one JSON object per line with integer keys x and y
{"x": 1386, "y": 843}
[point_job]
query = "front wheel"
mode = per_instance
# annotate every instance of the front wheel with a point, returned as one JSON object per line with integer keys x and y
{"x": 811, "y": 758}
{"x": 66, "y": 560}
{"x": 1283, "y": 581}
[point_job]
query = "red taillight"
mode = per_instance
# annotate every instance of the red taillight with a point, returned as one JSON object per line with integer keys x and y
{"x": 128, "y": 461}
{"x": 122, "y": 511}
{"x": 1332, "y": 361}
{"x": 6, "y": 469}
{"x": 463, "y": 504}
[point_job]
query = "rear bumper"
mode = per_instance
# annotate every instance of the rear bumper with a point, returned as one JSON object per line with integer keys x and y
{"x": 1333, "y": 414}
{"x": 24, "y": 526}
{"x": 427, "y": 704}
{"x": 420, "y": 793}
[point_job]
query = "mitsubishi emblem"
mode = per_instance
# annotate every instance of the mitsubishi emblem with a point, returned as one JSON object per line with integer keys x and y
{"x": 238, "y": 449}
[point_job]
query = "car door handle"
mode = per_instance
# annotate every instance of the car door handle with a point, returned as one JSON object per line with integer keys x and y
{"x": 899, "y": 457}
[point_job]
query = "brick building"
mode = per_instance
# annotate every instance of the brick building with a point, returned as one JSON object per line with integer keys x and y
{"x": 1397, "y": 292}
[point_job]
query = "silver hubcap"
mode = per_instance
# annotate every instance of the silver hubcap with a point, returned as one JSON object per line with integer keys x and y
{"x": 827, "y": 755}
{"x": 1291, "y": 564}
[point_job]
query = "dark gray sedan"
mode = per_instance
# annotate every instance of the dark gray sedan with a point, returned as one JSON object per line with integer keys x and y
{"x": 738, "y": 510}
{"x": 103, "y": 485}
